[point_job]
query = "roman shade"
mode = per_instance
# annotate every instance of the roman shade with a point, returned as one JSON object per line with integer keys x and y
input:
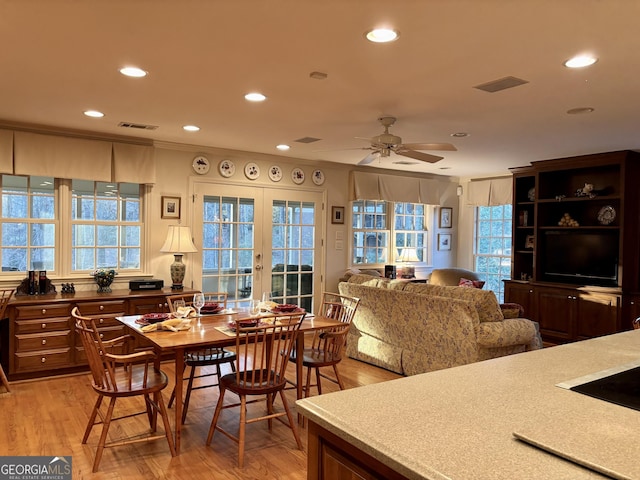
{"x": 393, "y": 188}
{"x": 60, "y": 156}
{"x": 490, "y": 192}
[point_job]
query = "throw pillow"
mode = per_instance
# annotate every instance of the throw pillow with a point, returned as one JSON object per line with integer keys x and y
{"x": 465, "y": 282}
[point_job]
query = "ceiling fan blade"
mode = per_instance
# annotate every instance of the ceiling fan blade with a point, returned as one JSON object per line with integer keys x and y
{"x": 369, "y": 158}
{"x": 429, "y": 146}
{"x": 424, "y": 157}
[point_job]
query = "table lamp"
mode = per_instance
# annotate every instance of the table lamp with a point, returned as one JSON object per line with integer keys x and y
{"x": 407, "y": 255}
{"x": 178, "y": 242}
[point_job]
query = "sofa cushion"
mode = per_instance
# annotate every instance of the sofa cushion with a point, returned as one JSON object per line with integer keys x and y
{"x": 485, "y": 301}
{"x": 513, "y": 331}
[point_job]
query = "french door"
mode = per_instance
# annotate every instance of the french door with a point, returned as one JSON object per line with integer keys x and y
{"x": 254, "y": 240}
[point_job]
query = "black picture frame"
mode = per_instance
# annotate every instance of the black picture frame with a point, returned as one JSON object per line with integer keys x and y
{"x": 337, "y": 215}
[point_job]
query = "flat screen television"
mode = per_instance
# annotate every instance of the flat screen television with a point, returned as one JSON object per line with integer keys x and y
{"x": 580, "y": 257}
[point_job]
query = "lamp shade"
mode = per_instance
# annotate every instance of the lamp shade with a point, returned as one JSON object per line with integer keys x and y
{"x": 178, "y": 240}
{"x": 408, "y": 255}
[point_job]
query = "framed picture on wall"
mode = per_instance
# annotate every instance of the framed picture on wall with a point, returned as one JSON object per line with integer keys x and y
{"x": 337, "y": 214}
{"x": 446, "y": 217}
{"x": 444, "y": 241}
{"x": 171, "y": 207}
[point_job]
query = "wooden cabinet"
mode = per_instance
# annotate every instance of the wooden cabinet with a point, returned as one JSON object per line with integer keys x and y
{"x": 40, "y": 335}
{"x": 577, "y": 247}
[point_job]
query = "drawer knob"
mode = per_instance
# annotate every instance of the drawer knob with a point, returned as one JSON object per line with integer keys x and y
{"x": 44, "y": 311}
{"x": 101, "y": 307}
{"x": 43, "y": 359}
{"x": 102, "y": 335}
{"x": 44, "y": 325}
{"x": 101, "y": 320}
{"x": 44, "y": 342}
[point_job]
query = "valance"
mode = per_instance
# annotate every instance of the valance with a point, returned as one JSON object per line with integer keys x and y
{"x": 490, "y": 192}
{"x": 395, "y": 188}
{"x": 59, "y": 156}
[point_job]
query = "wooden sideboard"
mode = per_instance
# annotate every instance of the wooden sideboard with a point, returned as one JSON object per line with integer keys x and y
{"x": 38, "y": 337}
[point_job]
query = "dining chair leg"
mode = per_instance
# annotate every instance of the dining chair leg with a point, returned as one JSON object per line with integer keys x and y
{"x": 3, "y": 379}
{"x": 216, "y": 415}
{"x": 290, "y": 417}
{"x": 187, "y": 396}
{"x": 165, "y": 421}
{"x": 92, "y": 419}
{"x": 338, "y": 377}
{"x": 241, "y": 433}
{"x": 307, "y": 387}
{"x": 103, "y": 435}
{"x": 151, "y": 415}
{"x": 318, "y": 381}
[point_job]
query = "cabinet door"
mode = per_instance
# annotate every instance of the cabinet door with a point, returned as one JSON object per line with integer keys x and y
{"x": 140, "y": 306}
{"x": 523, "y": 294}
{"x": 556, "y": 311}
{"x": 630, "y": 311}
{"x": 597, "y": 314}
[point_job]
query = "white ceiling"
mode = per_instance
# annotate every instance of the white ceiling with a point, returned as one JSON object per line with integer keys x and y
{"x": 61, "y": 57}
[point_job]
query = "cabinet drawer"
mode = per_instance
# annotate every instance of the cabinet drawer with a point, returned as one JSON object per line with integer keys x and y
{"x": 42, "y": 325}
{"x": 105, "y": 334}
{"x": 39, "y": 311}
{"x": 115, "y": 307}
{"x": 45, "y": 360}
{"x": 45, "y": 341}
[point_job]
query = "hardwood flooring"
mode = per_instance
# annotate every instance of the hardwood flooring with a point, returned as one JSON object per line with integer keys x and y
{"x": 48, "y": 417}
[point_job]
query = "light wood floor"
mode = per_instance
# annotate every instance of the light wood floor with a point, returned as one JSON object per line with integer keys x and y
{"x": 48, "y": 417}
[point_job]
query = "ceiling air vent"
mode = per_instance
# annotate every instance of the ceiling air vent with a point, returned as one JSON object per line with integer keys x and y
{"x": 139, "y": 126}
{"x": 307, "y": 140}
{"x": 501, "y": 84}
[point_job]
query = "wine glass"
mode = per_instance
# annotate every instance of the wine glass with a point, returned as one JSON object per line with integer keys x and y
{"x": 198, "y": 302}
{"x": 254, "y": 307}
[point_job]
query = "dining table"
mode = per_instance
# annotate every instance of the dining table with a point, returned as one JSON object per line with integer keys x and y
{"x": 212, "y": 330}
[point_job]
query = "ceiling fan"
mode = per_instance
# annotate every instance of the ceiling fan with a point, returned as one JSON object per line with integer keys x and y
{"x": 382, "y": 146}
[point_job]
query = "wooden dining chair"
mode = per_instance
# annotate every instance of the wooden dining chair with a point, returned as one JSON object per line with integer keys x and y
{"x": 260, "y": 372}
{"x": 327, "y": 345}
{"x": 202, "y": 357}
{"x": 117, "y": 376}
{"x": 5, "y": 296}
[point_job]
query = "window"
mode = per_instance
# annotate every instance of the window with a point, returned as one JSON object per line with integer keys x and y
{"x": 104, "y": 220}
{"x": 374, "y": 223}
{"x": 106, "y": 225}
{"x": 493, "y": 246}
{"x": 28, "y": 223}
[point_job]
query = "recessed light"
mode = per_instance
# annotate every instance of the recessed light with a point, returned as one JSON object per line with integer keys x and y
{"x": 382, "y": 35}
{"x": 255, "y": 97}
{"x": 579, "y": 110}
{"x": 580, "y": 61}
{"x": 191, "y": 128}
{"x": 283, "y": 147}
{"x": 94, "y": 113}
{"x": 460, "y": 134}
{"x": 133, "y": 72}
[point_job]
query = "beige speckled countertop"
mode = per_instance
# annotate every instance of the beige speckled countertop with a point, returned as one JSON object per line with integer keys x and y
{"x": 458, "y": 423}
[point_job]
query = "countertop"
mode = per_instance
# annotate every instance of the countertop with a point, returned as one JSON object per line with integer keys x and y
{"x": 459, "y": 423}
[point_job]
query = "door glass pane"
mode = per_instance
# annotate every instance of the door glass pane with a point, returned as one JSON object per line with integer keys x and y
{"x": 227, "y": 246}
{"x": 292, "y": 260}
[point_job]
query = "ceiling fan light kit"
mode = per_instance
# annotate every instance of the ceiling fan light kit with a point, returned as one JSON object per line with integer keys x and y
{"x": 385, "y": 143}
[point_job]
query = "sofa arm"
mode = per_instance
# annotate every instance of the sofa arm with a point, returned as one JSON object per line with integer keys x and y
{"x": 512, "y": 310}
{"x": 509, "y": 332}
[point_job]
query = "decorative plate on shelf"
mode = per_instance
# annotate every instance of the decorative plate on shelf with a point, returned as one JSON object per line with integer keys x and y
{"x": 275, "y": 173}
{"x": 226, "y": 168}
{"x": 531, "y": 194}
{"x": 297, "y": 175}
{"x": 318, "y": 177}
{"x": 252, "y": 170}
{"x": 607, "y": 215}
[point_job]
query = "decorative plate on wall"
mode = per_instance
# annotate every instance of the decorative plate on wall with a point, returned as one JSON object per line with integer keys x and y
{"x": 318, "y": 177}
{"x": 252, "y": 170}
{"x": 297, "y": 175}
{"x": 275, "y": 173}
{"x": 226, "y": 168}
{"x": 201, "y": 165}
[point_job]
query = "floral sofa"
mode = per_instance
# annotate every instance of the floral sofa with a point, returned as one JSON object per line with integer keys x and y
{"x": 412, "y": 328}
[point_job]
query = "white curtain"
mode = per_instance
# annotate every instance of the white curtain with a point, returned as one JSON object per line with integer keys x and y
{"x": 6, "y": 151}
{"x": 490, "y": 191}
{"x": 395, "y": 188}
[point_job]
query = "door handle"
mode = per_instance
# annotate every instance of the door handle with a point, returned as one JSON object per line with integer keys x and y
{"x": 258, "y": 267}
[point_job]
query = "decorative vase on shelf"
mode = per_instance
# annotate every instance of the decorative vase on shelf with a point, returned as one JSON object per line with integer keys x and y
{"x": 104, "y": 278}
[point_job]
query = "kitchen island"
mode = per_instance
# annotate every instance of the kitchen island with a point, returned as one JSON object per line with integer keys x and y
{"x": 459, "y": 423}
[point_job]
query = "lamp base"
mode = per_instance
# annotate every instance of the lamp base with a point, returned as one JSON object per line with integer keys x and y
{"x": 178, "y": 270}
